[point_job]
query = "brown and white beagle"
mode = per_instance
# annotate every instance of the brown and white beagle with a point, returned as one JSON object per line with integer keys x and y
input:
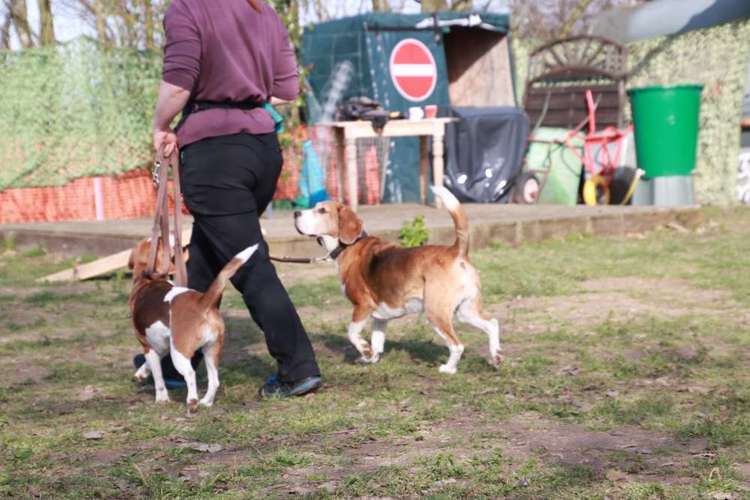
{"x": 178, "y": 321}
{"x": 385, "y": 281}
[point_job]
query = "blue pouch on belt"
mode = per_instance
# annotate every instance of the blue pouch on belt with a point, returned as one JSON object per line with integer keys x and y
{"x": 278, "y": 120}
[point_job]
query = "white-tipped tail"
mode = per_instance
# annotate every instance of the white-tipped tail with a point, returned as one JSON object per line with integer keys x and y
{"x": 449, "y": 201}
{"x": 458, "y": 215}
{"x": 213, "y": 294}
{"x": 174, "y": 292}
{"x": 245, "y": 255}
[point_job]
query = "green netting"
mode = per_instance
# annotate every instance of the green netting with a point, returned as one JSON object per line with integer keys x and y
{"x": 74, "y": 111}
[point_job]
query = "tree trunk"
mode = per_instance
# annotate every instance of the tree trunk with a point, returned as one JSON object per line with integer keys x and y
{"x": 130, "y": 32}
{"x": 5, "y": 32}
{"x": 434, "y": 5}
{"x": 19, "y": 15}
{"x": 381, "y": 6}
{"x": 46, "y": 24}
{"x": 148, "y": 25}
{"x": 575, "y": 15}
{"x": 462, "y": 5}
{"x": 97, "y": 10}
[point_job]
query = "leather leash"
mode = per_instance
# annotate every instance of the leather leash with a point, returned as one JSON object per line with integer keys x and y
{"x": 332, "y": 255}
{"x": 300, "y": 260}
{"x": 160, "y": 228}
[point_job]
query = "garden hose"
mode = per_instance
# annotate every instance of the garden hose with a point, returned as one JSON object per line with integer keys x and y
{"x": 637, "y": 177}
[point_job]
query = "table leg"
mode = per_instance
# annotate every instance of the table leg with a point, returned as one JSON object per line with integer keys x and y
{"x": 340, "y": 161}
{"x": 351, "y": 173}
{"x": 437, "y": 162}
{"x": 424, "y": 169}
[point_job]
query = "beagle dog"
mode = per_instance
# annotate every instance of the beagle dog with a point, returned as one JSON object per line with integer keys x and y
{"x": 178, "y": 321}
{"x": 385, "y": 281}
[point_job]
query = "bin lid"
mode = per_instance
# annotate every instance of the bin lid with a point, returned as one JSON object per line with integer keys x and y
{"x": 662, "y": 88}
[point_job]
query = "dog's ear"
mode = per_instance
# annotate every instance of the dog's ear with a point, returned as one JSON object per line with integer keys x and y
{"x": 131, "y": 260}
{"x": 350, "y": 226}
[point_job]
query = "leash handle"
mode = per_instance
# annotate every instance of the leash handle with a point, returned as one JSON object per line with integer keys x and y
{"x": 181, "y": 277}
{"x": 160, "y": 182}
{"x": 160, "y": 228}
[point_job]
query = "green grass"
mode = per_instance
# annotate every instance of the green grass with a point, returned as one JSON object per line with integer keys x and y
{"x": 644, "y": 339}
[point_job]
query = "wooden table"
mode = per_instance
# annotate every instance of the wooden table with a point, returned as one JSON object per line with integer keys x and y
{"x": 348, "y": 132}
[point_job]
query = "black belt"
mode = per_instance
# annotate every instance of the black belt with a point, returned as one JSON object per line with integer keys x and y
{"x": 196, "y": 106}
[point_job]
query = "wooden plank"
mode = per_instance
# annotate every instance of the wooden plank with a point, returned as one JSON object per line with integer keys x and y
{"x": 105, "y": 265}
{"x": 90, "y": 270}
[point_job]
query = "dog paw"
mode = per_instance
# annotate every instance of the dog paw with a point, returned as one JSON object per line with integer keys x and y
{"x": 192, "y": 406}
{"x": 497, "y": 359}
{"x": 449, "y": 370}
{"x": 365, "y": 360}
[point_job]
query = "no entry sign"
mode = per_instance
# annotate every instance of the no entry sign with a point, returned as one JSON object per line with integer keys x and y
{"x": 413, "y": 69}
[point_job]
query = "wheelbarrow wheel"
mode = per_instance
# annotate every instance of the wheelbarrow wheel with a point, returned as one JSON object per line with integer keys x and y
{"x": 624, "y": 182}
{"x": 526, "y": 189}
{"x": 596, "y": 191}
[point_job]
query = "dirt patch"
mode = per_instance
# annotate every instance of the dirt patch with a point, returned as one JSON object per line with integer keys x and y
{"x": 617, "y": 299}
{"x": 629, "y": 450}
{"x": 622, "y": 454}
{"x": 24, "y": 373}
{"x": 632, "y": 453}
{"x": 665, "y": 290}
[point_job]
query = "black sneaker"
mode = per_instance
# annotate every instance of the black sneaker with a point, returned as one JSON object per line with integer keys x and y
{"x": 170, "y": 383}
{"x": 273, "y": 388}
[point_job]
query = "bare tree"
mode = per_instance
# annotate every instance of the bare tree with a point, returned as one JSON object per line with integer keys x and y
{"x": 148, "y": 24}
{"x": 14, "y": 20}
{"x": 441, "y": 5}
{"x": 20, "y": 21}
{"x": 5, "y": 31}
{"x": 46, "y": 23}
{"x": 550, "y": 19}
{"x": 461, "y": 5}
{"x": 434, "y": 5}
{"x": 381, "y": 5}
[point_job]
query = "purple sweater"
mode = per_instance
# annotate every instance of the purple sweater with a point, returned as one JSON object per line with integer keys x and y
{"x": 224, "y": 50}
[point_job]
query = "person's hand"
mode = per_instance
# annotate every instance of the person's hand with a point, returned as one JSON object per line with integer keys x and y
{"x": 166, "y": 139}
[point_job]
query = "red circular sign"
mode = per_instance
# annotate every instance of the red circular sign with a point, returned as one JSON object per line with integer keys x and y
{"x": 413, "y": 69}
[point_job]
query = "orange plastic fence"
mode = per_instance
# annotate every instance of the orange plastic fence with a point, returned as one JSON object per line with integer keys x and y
{"x": 132, "y": 195}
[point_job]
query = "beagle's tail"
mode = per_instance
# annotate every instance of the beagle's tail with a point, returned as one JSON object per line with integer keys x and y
{"x": 460, "y": 221}
{"x": 213, "y": 294}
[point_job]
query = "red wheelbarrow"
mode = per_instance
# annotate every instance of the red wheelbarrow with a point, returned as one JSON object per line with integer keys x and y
{"x": 605, "y": 181}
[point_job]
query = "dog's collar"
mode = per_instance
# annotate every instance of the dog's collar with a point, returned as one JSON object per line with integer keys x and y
{"x": 337, "y": 251}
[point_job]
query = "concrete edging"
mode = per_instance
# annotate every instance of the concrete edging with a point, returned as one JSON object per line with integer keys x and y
{"x": 483, "y": 233}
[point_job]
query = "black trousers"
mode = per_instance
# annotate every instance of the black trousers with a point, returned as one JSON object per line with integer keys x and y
{"x": 227, "y": 183}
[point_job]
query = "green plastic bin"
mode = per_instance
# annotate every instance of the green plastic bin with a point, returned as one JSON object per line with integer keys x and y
{"x": 666, "y": 128}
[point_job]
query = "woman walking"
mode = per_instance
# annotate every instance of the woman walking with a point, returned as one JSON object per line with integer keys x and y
{"x": 223, "y": 60}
